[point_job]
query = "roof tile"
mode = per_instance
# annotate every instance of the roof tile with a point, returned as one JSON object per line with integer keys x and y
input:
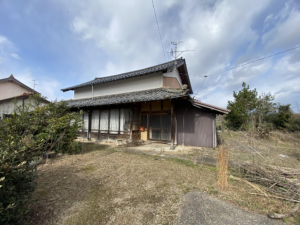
{"x": 139, "y": 96}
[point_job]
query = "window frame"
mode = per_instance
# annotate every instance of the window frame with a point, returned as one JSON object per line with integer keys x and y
{"x": 161, "y": 129}
{"x": 116, "y": 132}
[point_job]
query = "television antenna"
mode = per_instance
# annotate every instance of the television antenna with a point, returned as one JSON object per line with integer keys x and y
{"x": 34, "y": 84}
{"x": 177, "y": 53}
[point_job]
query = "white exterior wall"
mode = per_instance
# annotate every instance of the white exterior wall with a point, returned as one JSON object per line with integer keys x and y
{"x": 84, "y": 92}
{"x": 11, "y": 89}
{"x": 7, "y": 107}
{"x": 140, "y": 83}
{"x": 175, "y": 74}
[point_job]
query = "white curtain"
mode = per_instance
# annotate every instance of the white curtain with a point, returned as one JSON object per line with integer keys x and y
{"x": 85, "y": 121}
{"x": 124, "y": 120}
{"x": 114, "y": 121}
{"x": 104, "y": 121}
{"x": 95, "y": 120}
{"x": 135, "y": 119}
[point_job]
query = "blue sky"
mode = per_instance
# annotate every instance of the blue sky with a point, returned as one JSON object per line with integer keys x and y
{"x": 60, "y": 43}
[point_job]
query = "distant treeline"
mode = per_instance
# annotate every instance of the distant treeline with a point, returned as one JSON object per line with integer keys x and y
{"x": 250, "y": 110}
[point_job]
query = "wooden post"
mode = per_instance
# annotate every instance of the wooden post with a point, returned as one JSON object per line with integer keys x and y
{"x": 99, "y": 124}
{"x": 148, "y": 125}
{"x": 172, "y": 126}
{"x": 131, "y": 114}
{"x": 148, "y": 121}
{"x": 89, "y": 125}
{"x": 119, "y": 121}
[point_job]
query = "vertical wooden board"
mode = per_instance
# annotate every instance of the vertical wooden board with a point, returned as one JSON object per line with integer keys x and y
{"x": 144, "y": 135}
{"x": 145, "y": 106}
{"x": 156, "y": 106}
{"x": 170, "y": 82}
{"x": 167, "y": 105}
{"x": 172, "y": 125}
{"x": 197, "y": 129}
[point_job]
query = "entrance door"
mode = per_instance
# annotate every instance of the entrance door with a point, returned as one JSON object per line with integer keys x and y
{"x": 160, "y": 127}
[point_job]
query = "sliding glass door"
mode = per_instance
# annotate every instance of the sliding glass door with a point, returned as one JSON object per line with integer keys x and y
{"x": 160, "y": 127}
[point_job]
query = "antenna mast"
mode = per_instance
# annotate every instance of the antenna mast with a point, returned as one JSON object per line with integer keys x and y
{"x": 34, "y": 84}
{"x": 175, "y": 53}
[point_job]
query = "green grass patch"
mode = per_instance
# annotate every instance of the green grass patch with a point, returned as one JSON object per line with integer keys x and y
{"x": 89, "y": 169}
{"x": 183, "y": 162}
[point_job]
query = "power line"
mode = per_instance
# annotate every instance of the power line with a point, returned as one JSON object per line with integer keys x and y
{"x": 159, "y": 31}
{"x": 200, "y": 86}
{"x": 244, "y": 64}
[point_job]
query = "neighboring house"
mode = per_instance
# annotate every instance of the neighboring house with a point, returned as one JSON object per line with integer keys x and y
{"x": 11, "y": 89}
{"x": 153, "y": 103}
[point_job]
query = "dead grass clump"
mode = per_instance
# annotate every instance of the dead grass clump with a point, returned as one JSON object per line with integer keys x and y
{"x": 222, "y": 166}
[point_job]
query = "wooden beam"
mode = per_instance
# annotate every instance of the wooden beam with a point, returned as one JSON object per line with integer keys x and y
{"x": 108, "y": 127}
{"x": 172, "y": 126}
{"x": 99, "y": 124}
{"x": 119, "y": 121}
{"x": 89, "y": 125}
{"x": 131, "y": 115}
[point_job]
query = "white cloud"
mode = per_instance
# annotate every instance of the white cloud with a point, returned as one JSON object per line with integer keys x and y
{"x": 285, "y": 32}
{"x": 3, "y": 39}
{"x": 14, "y": 55}
{"x": 48, "y": 87}
{"x": 6, "y": 47}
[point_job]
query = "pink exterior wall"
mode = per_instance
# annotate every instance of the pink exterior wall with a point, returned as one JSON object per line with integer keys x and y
{"x": 10, "y": 89}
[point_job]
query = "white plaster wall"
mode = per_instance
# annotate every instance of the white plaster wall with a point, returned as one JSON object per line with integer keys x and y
{"x": 7, "y": 107}
{"x": 84, "y": 92}
{"x": 145, "y": 82}
{"x": 175, "y": 74}
{"x": 11, "y": 89}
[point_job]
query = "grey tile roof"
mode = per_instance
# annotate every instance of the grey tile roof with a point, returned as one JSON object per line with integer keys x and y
{"x": 165, "y": 66}
{"x": 196, "y": 103}
{"x": 139, "y": 96}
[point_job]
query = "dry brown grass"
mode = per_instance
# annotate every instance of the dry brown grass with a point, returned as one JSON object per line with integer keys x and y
{"x": 109, "y": 186}
{"x": 222, "y": 166}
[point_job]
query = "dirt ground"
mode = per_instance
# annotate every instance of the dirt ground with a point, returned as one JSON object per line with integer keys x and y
{"x": 111, "y": 185}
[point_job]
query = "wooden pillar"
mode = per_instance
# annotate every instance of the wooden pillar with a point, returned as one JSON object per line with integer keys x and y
{"x": 148, "y": 121}
{"x": 89, "y": 125}
{"x": 119, "y": 121}
{"x": 99, "y": 124}
{"x": 172, "y": 125}
{"x": 131, "y": 115}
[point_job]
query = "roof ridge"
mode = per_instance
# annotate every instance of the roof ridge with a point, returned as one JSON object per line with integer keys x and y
{"x": 147, "y": 68}
{"x": 131, "y": 74}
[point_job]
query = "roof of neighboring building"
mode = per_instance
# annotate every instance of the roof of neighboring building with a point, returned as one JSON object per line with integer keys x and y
{"x": 24, "y": 95}
{"x": 139, "y": 96}
{"x": 168, "y": 66}
{"x": 13, "y": 79}
{"x": 196, "y": 103}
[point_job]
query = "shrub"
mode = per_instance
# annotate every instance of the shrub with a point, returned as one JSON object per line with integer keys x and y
{"x": 26, "y": 135}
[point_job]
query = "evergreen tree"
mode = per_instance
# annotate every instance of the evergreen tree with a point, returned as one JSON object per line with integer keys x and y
{"x": 244, "y": 103}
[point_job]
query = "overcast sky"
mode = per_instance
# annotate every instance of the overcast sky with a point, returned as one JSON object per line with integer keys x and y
{"x": 61, "y": 43}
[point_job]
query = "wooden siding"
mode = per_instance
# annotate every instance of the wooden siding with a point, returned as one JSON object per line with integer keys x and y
{"x": 198, "y": 126}
{"x": 171, "y": 82}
